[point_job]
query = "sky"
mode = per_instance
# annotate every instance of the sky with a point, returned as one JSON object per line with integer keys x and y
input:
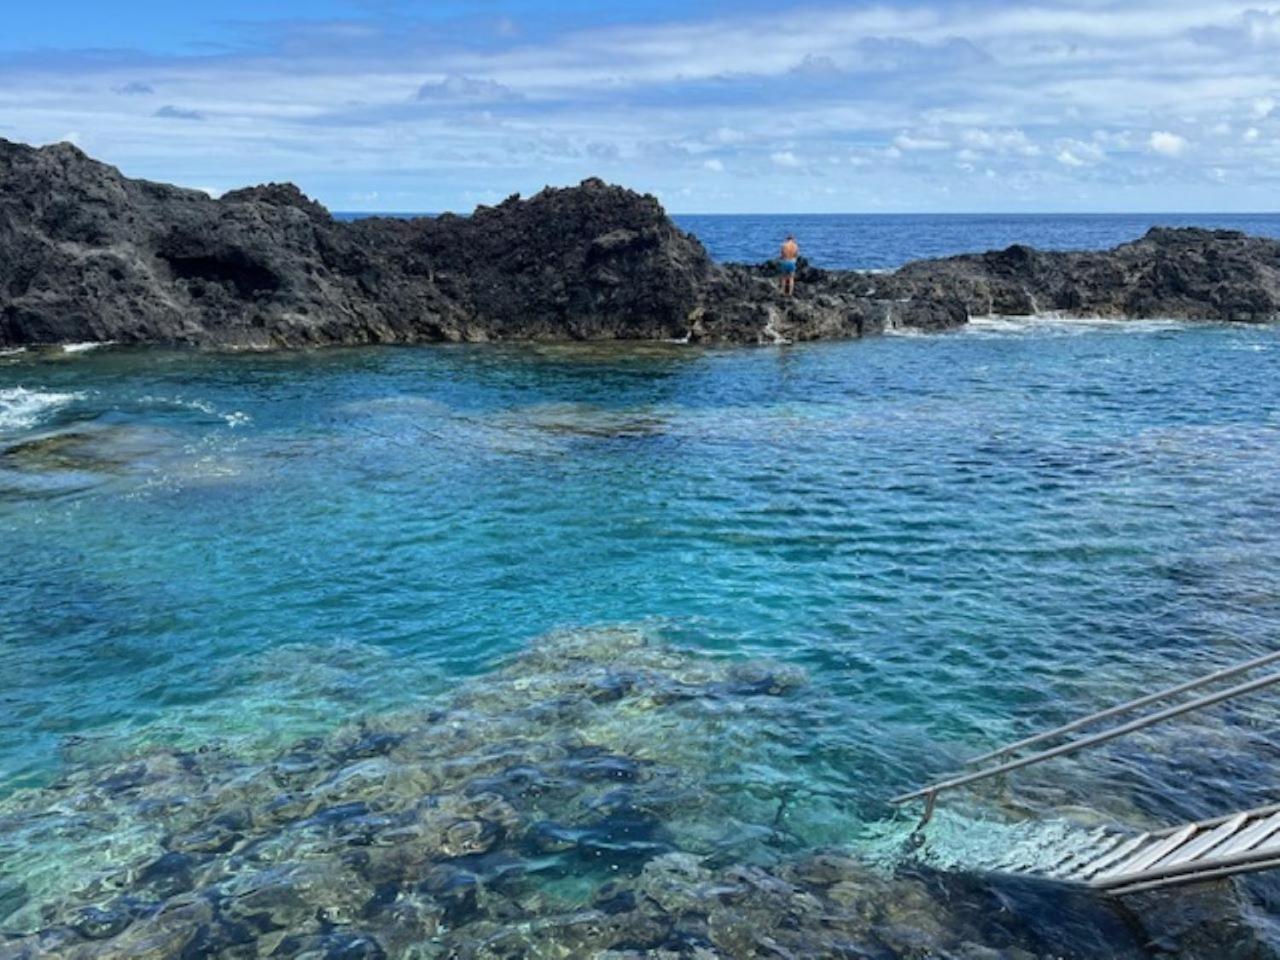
{"x": 715, "y": 107}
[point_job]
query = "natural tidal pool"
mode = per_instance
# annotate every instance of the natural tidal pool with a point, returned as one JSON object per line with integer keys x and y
{"x": 539, "y": 650}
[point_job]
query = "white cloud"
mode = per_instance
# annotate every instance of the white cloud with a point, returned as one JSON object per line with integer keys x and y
{"x": 714, "y": 165}
{"x": 907, "y": 142}
{"x": 727, "y": 135}
{"x": 1253, "y": 28}
{"x": 1166, "y": 143}
{"x": 1079, "y": 153}
{"x": 473, "y": 89}
{"x": 1000, "y": 141}
{"x": 346, "y": 109}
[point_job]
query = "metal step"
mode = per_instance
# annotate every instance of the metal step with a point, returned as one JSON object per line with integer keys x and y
{"x": 1150, "y": 854}
{"x": 1212, "y": 849}
{"x": 1111, "y": 861}
{"x": 1251, "y": 836}
{"x": 1206, "y": 842}
{"x": 1117, "y": 854}
{"x": 1118, "y": 864}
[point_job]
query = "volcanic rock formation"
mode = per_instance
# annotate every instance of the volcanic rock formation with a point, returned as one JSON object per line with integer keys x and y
{"x": 87, "y": 254}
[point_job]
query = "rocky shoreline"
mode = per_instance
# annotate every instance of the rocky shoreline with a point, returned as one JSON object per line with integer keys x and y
{"x": 87, "y": 254}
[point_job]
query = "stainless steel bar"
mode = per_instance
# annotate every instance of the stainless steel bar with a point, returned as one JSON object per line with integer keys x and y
{"x": 1252, "y": 836}
{"x": 1206, "y": 841}
{"x": 1114, "y": 855}
{"x": 1079, "y": 858}
{"x": 1197, "y": 876}
{"x": 1127, "y": 707}
{"x": 1253, "y": 814}
{"x": 1149, "y": 856}
{"x": 1182, "y": 869}
{"x": 1094, "y": 739}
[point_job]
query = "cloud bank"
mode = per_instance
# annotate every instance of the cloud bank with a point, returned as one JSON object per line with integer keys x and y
{"x": 1089, "y": 105}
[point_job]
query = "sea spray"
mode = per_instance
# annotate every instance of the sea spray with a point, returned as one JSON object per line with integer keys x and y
{"x": 85, "y": 346}
{"x": 21, "y": 408}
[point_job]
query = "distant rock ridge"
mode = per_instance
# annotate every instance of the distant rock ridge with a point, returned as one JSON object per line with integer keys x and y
{"x": 87, "y": 254}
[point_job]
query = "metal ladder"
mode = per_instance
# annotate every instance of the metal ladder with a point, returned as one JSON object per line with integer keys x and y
{"x": 1120, "y": 863}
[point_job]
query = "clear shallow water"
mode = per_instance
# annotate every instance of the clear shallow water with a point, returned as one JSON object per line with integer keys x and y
{"x": 957, "y": 539}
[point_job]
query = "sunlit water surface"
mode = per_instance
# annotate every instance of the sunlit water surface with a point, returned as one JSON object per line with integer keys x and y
{"x": 958, "y": 539}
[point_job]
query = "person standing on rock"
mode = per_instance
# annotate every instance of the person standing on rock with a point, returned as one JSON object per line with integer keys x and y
{"x": 790, "y": 254}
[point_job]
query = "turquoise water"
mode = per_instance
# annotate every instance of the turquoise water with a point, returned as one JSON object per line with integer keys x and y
{"x": 957, "y": 539}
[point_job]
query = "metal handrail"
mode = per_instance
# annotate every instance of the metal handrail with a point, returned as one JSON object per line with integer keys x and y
{"x": 1198, "y": 876}
{"x": 1127, "y": 707}
{"x": 1254, "y": 814}
{"x": 931, "y": 792}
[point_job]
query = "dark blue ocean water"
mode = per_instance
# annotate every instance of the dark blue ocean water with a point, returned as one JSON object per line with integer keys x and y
{"x": 885, "y": 241}
{"x": 865, "y": 242}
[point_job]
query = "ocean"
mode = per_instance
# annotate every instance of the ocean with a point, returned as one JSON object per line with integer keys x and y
{"x": 887, "y": 241}
{"x": 648, "y": 601}
{"x": 842, "y": 241}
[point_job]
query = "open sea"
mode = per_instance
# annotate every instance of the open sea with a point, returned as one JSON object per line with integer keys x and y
{"x": 772, "y": 587}
{"x": 887, "y": 241}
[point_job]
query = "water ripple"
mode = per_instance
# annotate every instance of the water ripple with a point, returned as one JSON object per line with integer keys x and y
{"x": 961, "y": 539}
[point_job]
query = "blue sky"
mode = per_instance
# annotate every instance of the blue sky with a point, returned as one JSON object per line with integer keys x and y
{"x": 932, "y": 105}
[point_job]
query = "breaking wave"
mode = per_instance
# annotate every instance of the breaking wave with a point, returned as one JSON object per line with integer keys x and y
{"x": 21, "y": 408}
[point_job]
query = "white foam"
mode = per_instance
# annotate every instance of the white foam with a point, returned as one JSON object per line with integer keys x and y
{"x": 86, "y": 346}
{"x": 21, "y": 408}
{"x": 12, "y": 351}
{"x": 234, "y": 419}
{"x": 1056, "y": 323}
{"x": 203, "y": 406}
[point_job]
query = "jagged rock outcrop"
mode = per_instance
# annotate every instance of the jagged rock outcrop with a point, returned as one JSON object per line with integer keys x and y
{"x": 88, "y": 254}
{"x": 1183, "y": 273}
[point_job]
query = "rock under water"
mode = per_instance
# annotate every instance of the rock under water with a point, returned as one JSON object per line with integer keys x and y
{"x": 89, "y": 255}
{"x": 541, "y": 811}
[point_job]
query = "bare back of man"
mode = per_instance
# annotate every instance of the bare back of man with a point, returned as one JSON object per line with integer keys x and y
{"x": 790, "y": 254}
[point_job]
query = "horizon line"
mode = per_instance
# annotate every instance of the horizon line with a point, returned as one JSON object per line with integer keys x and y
{"x": 885, "y": 213}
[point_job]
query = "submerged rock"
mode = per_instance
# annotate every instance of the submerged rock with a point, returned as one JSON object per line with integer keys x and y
{"x": 59, "y": 451}
{"x": 89, "y": 255}
{"x": 525, "y": 816}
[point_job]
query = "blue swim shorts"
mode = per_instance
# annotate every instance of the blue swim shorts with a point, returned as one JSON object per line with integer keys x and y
{"x": 788, "y": 266}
